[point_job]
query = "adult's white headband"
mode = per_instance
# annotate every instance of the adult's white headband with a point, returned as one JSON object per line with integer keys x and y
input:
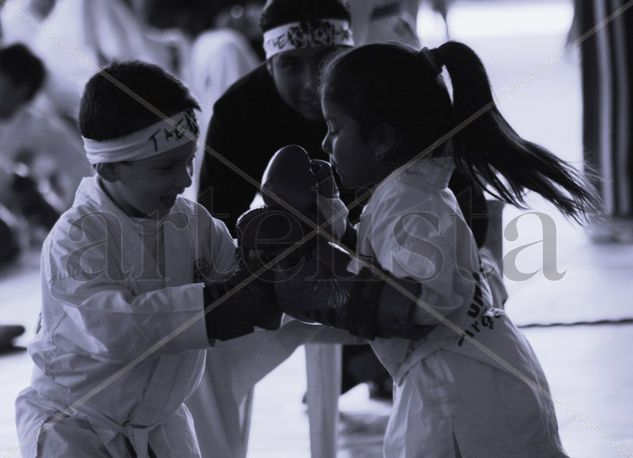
{"x": 307, "y": 34}
{"x": 158, "y": 138}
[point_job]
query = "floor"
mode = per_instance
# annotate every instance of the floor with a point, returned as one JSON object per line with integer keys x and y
{"x": 556, "y": 277}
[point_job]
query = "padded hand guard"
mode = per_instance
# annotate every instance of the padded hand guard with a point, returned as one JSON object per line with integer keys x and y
{"x": 308, "y": 186}
{"x": 265, "y": 233}
{"x": 288, "y": 178}
{"x": 244, "y": 307}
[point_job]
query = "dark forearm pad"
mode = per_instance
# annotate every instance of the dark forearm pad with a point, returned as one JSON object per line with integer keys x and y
{"x": 242, "y": 308}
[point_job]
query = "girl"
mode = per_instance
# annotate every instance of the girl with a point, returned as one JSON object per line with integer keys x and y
{"x": 472, "y": 387}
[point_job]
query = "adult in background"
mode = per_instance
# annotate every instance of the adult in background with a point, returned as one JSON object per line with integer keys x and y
{"x": 276, "y": 105}
{"x": 39, "y": 149}
{"x": 208, "y": 58}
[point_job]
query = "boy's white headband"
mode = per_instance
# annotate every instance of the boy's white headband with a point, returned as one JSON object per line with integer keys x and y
{"x": 151, "y": 141}
{"x": 307, "y": 34}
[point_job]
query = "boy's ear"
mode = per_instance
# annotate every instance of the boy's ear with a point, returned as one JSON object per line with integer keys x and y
{"x": 108, "y": 171}
{"x": 382, "y": 140}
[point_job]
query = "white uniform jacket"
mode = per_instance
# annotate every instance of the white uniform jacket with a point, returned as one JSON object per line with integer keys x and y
{"x": 412, "y": 227}
{"x": 123, "y": 338}
{"x": 462, "y": 389}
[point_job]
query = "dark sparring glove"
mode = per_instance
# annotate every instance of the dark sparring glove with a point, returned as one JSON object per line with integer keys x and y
{"x": 319, "y": 289}
{"x": 254, "y": 304}
{"x": 312, "y": 282}
{"x": 288, "y": 179}
{"x": 241, "y": 309}
{"x": 292, "y": 179}
{"x": 265, "y": 233}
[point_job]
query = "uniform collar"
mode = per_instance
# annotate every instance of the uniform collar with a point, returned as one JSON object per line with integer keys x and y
{"x": 430, "y": 173}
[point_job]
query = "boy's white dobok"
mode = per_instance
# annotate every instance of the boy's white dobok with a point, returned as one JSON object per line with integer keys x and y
{"x": 104, "y": 304}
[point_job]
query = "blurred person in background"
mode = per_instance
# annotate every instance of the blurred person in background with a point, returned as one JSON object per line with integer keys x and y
{"x": 20, "y": 21}
{"x": 34, "y": 139}
{"x": 31, "y": 131}
{"x": 41, "y": 155}
{"x": 243, "y": 16}
{"x": 208, "y": 51}
{"x": 91, "y": 34}
{"x": 20, "y": 18}
{"x": 381, "y": 21}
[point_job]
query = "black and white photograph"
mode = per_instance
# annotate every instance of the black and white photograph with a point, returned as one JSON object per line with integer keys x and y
{"x": 316, "y": 228}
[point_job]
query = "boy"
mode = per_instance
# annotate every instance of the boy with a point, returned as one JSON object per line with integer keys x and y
{"x": 127, "y": 274}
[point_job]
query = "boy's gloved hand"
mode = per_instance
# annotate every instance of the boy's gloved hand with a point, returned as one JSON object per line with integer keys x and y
{"x": 242, "y": 309}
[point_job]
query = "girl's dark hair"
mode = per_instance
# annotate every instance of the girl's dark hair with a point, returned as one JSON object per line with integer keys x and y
{"x": 280, "y": 12}
{"x": 23, "y": 68}
{"x": 401, "y": 87}
{"x": 122, "y": 98}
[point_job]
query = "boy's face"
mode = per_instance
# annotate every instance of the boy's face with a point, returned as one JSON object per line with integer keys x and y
{"x": 296, "y": 75}
{"x": 150, "y": 186}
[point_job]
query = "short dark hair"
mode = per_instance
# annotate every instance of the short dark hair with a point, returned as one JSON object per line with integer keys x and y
{"x": 397, "y": 88}
{"x": 396, "y": 85}
{"x": 109, "y": 111}
{"x": 23, "y": 68}
{"x": 280, "y": 12}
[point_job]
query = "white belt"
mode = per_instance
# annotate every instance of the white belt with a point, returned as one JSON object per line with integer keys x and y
{"x": 107, "y": 429}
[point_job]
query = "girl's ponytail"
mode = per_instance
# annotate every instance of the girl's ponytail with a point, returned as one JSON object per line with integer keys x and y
{"x": 485, "y": 143}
